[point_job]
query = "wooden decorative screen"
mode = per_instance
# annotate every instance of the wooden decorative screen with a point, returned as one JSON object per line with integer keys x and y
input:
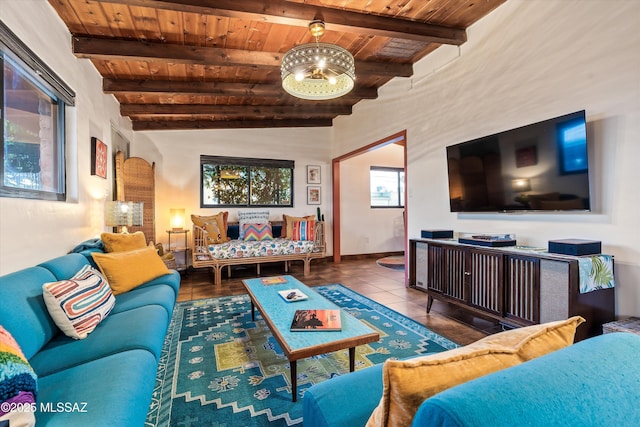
{"x": 135, "y": 182}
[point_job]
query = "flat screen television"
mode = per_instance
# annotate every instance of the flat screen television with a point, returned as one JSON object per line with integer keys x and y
{"x": 539, "y": 167}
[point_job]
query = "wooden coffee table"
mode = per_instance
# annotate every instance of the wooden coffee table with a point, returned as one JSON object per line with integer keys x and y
{"x": 278, "y": 314}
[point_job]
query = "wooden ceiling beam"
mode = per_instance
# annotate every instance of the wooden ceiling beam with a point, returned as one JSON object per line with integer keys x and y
{"x": 228, "y": 124}
{"x": 229, "y": 110}
{"x": 127, "y": 50}
{"x": 170, "y": 87}
{"x": 300, "y": 14}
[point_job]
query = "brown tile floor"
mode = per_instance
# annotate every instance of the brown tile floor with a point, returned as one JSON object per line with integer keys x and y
{"x": 361, "y": 274}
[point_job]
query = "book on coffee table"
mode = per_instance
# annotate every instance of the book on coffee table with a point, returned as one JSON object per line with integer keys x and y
{"x": 316, "y": 320}
{"x": 292, "y": 295}
{"x": 275, "y": 280}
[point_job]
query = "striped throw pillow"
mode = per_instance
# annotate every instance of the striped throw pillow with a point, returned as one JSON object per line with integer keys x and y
{"x": 258, "y": 232}
{"x": 79, "y": 304}
{"x": 18, "y": 383}
{"x": 304, "y": 230}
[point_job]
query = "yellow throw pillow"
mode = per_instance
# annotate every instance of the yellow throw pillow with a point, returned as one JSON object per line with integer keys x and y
{"x": 119, "y": 242}
{"x": 287, "y": 224}
{"x": 127, "y": 270}
{"x": 410, "y": 382}
{"x": 215, "y": 225}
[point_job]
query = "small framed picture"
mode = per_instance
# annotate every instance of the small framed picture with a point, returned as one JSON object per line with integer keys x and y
{"x": 98, "y": 158}
{"x": 313, "y": 174}
{"x": 526, "y": 156}
{"x": 313, "y": 195}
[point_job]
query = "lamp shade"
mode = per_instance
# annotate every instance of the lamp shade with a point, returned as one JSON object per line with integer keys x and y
{"x": 318, "y": 71}
{"x": 123, "y": 214}
{"x": 176, "y": 218}
{"x": 521, "y": 184}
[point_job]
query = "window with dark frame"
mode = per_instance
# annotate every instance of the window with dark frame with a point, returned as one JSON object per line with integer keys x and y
{"x": 387, "y": 187}
{"x": 34, "y": 98}
{"x": 572, "y": 147}
{"x": 244, "y": 182}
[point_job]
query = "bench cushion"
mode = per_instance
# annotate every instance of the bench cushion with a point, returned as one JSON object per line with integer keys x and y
{"x": 248, "y": 249}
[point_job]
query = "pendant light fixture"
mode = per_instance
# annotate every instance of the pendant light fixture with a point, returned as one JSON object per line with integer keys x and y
{"x": 318, "y": 71}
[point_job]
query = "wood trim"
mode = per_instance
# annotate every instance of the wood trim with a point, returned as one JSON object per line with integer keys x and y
{"x": 228, "y": 124}
{"x": 337, "y": 208}
{"x": 396, "y": 138}
{"x": 136, "y": 50}
{"x": 231, "y": 110}
{"x": 300, "y": 14}
{"x": 379, "y": 143}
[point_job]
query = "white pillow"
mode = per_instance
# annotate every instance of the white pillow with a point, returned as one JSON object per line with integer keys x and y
{"x": 251, "y": 217}
{"x": 79, "y": 304}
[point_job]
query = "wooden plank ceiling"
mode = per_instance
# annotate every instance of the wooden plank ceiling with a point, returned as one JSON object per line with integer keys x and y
{"x": 214, "y": 64}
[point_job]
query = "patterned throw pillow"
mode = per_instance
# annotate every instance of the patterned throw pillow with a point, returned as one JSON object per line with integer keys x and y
{"x": 258, "y": 232}
{"x": 303, "y": 230}
{"x": 79, "y": 304}
{"x": 251, "y": 217}
{"x": 287, "y": 224}
{"x": 18, "y": 382}
{"x": 215, "y": 225}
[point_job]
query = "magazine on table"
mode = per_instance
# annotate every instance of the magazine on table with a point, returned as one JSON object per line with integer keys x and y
{"x": 292, "y": 295}
{"x": 316, "y": 320}
{"x": 275, "y": 280}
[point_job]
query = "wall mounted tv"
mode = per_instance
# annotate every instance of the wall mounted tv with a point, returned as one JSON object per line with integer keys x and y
{"x": 539, "y": 167}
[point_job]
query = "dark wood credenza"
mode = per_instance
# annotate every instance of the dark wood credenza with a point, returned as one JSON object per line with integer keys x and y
{"x": 514, "y": 287}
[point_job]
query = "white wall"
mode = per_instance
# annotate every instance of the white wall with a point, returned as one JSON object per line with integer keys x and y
{"x": 364, "y": 229}
{"x": 33, "y": 231}
{"x": 525, "y": 62}
{"x": 177, "y": 158}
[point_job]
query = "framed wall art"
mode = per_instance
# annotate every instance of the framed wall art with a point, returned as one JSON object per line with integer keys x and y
{"x": 98, "y": 158}
{"x": 313, "y": 195}
{"x": 313, "y": 174}
{"x": 526, "y": 156}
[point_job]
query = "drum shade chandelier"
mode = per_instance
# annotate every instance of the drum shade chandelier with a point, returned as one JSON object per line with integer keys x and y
{"x": 318, "y": 71}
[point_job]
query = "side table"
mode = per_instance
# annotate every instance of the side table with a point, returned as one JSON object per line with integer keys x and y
{"x": 181, "y": 254}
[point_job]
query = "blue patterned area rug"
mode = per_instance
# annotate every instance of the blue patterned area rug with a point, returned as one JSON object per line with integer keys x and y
{"x": 219, "y": 368}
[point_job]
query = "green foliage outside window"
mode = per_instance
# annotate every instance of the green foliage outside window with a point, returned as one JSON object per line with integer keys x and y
{"x": 32, "y": 129}
{"x": 228, "y": 181}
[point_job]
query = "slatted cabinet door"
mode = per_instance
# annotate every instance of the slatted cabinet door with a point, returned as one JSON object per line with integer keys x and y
{"x": 456, "y": 285}
{"x": 522, "y": 289}
{"x": 484, "y": 275}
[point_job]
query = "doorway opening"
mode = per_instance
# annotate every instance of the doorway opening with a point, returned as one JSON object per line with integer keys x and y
{"x": 338, "y": 185}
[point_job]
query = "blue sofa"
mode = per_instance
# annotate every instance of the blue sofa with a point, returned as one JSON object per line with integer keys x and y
{"x": 106, "y": 379}
{"x": 595, "y": 382}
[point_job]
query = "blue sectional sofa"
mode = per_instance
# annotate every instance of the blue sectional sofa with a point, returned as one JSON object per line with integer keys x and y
{"x": 106, "y": 379}
{"x": 595, "y": 382}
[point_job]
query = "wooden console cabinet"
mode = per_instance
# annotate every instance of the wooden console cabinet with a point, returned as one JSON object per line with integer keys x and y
{"x": 514, "y": 287}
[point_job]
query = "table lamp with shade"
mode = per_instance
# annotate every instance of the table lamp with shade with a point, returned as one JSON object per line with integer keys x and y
{"x": 176, "y": 218}
{"x": 124, "y": 214}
